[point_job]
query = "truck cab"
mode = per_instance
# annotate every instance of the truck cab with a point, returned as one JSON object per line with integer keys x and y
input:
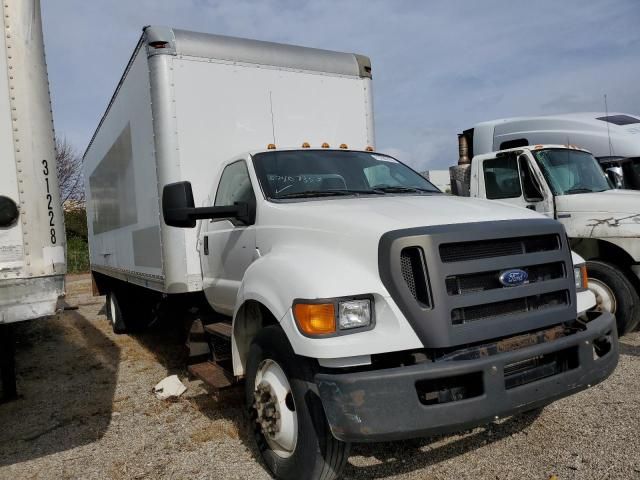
{"x": 612, "y": 137}
{"x": 349, "y": 270}
{"x": 603, "y": 223}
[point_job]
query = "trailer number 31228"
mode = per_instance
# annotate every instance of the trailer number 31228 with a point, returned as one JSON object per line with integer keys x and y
{"x": 52, "y": 222}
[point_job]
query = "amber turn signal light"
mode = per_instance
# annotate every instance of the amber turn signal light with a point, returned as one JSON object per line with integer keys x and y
{"x": 315, "y": 318}
{"x": 585, "y": 277}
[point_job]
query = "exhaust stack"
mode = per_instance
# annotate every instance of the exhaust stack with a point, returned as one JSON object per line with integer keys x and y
{"x": 463, "y": 150}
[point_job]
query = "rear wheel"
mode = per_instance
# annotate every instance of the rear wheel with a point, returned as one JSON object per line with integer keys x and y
{"x": 615, "y": 294}
{"x": 286, "y": 416}
{"x": 115, "y": 312}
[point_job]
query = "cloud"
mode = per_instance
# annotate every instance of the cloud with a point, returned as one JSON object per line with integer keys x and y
{"x": 439, "y": 67}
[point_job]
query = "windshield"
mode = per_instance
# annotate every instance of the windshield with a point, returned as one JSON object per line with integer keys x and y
{"x": 571, "y": 171}
{"x": 326, "y": 173}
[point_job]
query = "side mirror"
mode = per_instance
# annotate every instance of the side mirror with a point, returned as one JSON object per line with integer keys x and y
{"x": 8, "y": 212}
{"x": 177, "y": 203}
{"x": 178, "y": 208}
{"x": 616, "y": 176}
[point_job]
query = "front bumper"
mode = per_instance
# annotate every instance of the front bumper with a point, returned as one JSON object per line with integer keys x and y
{"x": 384, "y": 405}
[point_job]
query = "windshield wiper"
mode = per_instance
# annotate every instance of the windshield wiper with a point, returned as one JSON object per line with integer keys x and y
{"x": 401, "y": 188}
{"x": 328, "y": 193}
{"x": 578, "y": 190}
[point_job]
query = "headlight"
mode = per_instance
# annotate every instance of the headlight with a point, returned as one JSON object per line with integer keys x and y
{"x": 332, "y": 316}
{"x": 581, "y": 277}
{"x": 354, "y": 314}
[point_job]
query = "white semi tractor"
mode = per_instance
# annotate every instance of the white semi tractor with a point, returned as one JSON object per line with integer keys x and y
{"x": 32, "y": 239}
{"x": 566, "y": 183}
{"x": 238, "y": 179}
{"x": 613, "y": 138}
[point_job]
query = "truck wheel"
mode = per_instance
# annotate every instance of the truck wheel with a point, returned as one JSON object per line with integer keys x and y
{"x": 614, "y": 293}
{"x": 114, "y": 313}
{"x": 286, "y": 416}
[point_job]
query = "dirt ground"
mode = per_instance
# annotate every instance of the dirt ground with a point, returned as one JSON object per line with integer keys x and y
{"x": 87, "y": 411}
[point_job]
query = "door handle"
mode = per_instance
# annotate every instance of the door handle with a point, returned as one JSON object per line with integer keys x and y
{"x": 205, "y": 246}
{"x": 531, "y": 207}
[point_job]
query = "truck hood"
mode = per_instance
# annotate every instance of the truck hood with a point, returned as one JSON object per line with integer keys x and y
{"x": 606, "y": 203}
{"x": 613, "y": 215}
{"x": 378, "y": 215}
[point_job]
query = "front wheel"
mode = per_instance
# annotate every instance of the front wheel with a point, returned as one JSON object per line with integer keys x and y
{"x": 286, "y": 416}
{"x": 615, "y": 294}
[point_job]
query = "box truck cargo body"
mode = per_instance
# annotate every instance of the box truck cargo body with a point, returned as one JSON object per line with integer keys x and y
{"x": 188, "y": 102}
{"x": 32, "y": 240}
{"x": 238, "y": 181}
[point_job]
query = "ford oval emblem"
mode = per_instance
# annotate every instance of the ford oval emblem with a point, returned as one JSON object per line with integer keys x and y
{"x": 513, "y": 278}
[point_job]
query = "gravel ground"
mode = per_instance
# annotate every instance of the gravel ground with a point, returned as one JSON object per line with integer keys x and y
{"x": 87, "y": 411}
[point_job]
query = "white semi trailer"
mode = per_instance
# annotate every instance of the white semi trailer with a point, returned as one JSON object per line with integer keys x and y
{"x": 32, "y": 239}
{"x": 238, "y": 179}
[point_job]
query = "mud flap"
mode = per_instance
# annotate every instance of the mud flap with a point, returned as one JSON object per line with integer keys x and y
{"x": 7, "y": 363}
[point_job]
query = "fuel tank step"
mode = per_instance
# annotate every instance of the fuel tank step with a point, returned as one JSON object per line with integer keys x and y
{"x": 221, "y": 329}
{"x": 213, "y": 375}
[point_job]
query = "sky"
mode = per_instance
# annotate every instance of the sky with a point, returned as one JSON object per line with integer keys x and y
{"x": 439, "y": 67}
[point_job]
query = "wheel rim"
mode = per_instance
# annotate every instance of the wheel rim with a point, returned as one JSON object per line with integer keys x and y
{"x": 605, "y": 298}
{"x": 112, "y": 308}
{"x": 277, "y": 417}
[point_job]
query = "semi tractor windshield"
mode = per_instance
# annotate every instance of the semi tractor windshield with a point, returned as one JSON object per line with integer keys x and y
{"x": 324, "y": 173}
{"x": 571, "y": 171}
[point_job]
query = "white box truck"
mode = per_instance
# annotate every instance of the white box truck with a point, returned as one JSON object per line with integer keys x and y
{"x": 566, "y": 183}
{"x": 355, "y": 300}
{"x": 32, "y": 240}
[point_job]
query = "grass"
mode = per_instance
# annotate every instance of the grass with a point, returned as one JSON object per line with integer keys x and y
{"x": 77, "y": 255}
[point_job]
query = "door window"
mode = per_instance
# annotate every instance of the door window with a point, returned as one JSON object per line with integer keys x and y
{"x": 501, "y": 178}
{"x": 530, "y": 186}
{"x": 235, "y": 186}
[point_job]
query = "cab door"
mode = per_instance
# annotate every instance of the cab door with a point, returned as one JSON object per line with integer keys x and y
{"x": 228, "y": 246}
{"x": 514, "y": 178}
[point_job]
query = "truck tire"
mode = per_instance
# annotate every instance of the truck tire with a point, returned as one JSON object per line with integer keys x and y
{"x": 115, "y": 313}
{"x": 614, "y": 293}
{"x": 292, "y": 433}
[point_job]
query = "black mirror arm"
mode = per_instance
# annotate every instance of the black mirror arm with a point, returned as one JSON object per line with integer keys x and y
{"x": 205, "y": 213}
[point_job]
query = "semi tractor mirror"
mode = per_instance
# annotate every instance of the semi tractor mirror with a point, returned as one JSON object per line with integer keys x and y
{"x": 616, "y": 176}
{"x": 178, "y": 207}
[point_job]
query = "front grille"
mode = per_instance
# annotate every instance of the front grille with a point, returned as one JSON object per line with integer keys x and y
{"x": 460, "y": 316}
{"x": 483, "y": 281}
{"x": 414, "y": 272}
{"x": 445, "y": 279}
{"x": 464, "y": 251}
